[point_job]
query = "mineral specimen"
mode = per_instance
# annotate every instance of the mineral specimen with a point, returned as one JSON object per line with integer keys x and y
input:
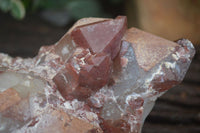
{"x": 99, "y": 77}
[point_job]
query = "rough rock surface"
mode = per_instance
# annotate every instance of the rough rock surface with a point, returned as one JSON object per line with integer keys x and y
{"x": 99, "y": 77}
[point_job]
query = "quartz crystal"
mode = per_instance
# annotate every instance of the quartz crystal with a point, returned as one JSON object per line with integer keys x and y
{"x": 100, "y": 77}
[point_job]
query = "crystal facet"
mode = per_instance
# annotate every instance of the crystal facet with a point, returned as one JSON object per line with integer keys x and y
{"x": 99, "y": 77}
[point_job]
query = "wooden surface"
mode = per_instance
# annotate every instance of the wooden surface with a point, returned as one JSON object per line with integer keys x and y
{"x": 178, "y": 111}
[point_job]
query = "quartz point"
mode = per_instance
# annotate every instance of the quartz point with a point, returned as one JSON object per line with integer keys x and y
{"x": 100, "y": 77}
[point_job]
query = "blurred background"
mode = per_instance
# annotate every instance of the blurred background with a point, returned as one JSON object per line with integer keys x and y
{"x": 26, "y": 25}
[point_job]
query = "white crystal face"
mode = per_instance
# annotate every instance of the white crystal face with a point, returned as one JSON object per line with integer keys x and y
{"x": 21, "y": 98}
{"x": 9, "y": 80}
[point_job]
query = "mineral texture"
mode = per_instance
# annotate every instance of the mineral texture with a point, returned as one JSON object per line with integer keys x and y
{"x": 100, "y": 77}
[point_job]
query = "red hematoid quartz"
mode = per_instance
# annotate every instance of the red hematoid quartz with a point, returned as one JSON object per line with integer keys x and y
{"x": 100, "y": 77}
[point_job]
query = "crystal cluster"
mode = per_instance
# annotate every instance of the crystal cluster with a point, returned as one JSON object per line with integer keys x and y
{"x": 100, "y": 77}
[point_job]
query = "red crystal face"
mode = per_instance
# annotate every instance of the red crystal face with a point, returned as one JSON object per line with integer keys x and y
{"x": 90, "y": 65}
{"x": 83, "y": 74}
{"x": 98, "y": 78}
{"x": 148, "y": 48}
{"x": 96, "y": 72}
{"x": 101, "y": 36}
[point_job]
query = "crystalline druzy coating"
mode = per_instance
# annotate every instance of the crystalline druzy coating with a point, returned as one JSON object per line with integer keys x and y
{"x": 98, "y": 78}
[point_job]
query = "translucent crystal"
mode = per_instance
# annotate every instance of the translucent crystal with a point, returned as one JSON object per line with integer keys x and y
{"x": 99, "y": 77}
